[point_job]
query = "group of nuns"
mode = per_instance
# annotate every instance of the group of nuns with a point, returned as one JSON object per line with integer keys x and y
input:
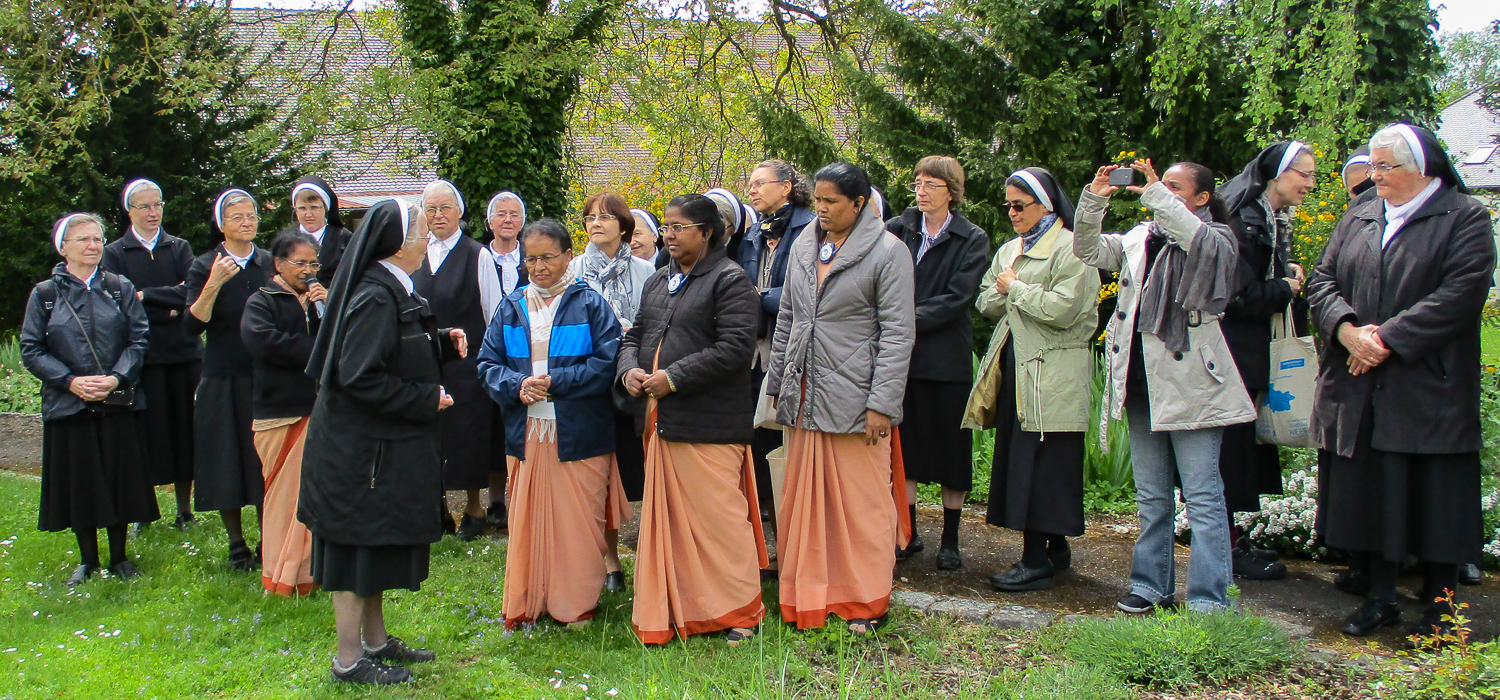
{"x": 346, "y": 380}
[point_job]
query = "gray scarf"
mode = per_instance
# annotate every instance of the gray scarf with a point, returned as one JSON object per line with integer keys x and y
{"x": 611, "y": 276}
{"x": 1185, "y": 286}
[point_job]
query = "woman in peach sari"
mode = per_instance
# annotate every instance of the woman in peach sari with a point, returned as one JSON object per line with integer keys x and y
{"x": 548, "y": 359}
{"x": 689, "y": 351}
{"x": 840, "y": 389}
{"x": 280, "y": 322}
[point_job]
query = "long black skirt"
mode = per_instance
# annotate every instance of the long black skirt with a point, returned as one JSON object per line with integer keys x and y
{"x": 226, "y": 467}
{"x": 1398, "y": 504}
{"x": 935, "y": 448}
{"x": 366, "y": 571}
{"x": 467, "y": 429}
{"x": 94, "y": 472}
{"x": 630, "y": 456}
{"x": 1249, "y": 469}
{"x": 167, "y": 422}
{"x": 1036, "y": 482}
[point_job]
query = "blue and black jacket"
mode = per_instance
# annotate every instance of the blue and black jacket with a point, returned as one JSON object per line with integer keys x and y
{"x": 580, "y": 360}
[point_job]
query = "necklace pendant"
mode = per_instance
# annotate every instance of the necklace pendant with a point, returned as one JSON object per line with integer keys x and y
{"x": 674, "y": 283}
{"x": 825, "y": 253}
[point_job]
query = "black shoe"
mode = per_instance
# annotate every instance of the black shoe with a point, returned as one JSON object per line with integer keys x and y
{"x": 1135, "y": 604}
{"x": 449, "y": 527}
{"x": 397, "y": 651}
{"x": 126, "y": 570}
{"x": 471, "y": 529}
{"x": 614, "y": 581}
{"x": 371, "y": 672}
{"x": 1370, "y": 617}
{"x": 765, "y": 514}
{"x": 911, "y": 549}
{"x": 948, "y": 559}
{"x": 241, "y": 558}
{"x": 1266, "y": 554}
{"x": 1470, "y": 575}
{"x": 258, "y": 560}
{"x": 1021, "y": 577}
{"x": 184, "y": 521}
{"x": 1353, "y": 581}
{"x": 81, "y": 574}
{"x": 1247, "y": 565}
{"x": 496, "y": 517}
{"x": 1061, "y": 556}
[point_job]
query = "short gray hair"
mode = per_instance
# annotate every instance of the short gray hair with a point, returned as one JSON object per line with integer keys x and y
{"x": 413, "y": 214}
{"x": 232, "y": 199}
{"x": 1391, "y": 137}
{"x": 84, "y": 218}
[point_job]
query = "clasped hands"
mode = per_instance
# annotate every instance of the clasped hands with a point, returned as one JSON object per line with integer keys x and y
{"x": 1366, "y": 349}
{"x": 639, "y": 383}
{"x": 93, "y": 387}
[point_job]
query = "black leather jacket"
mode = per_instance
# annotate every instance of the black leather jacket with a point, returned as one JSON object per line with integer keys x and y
{"x": 53, "y": 346}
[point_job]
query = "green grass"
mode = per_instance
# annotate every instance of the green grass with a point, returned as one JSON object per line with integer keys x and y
{"x": 1489, "y": 344}
{"x": 1178, "y": 650}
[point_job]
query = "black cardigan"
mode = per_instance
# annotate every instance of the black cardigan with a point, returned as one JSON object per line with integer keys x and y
{"x": 947, "y": 282}
{"x": 706, "y": 333}
{"x": 1247, "y": 318}
{"x": 160, "y": 275}
{"x": 279, "y": 334}
{"x": 225, "y": 354}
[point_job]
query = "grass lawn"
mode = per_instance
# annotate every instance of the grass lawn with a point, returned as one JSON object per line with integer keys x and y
{"x": 190, "y": 628}
{"x": 1489, "y": 344}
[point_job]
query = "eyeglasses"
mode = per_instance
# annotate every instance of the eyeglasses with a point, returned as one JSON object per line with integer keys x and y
{"x": 153, "y": 206}
{"x": 506, "y": 215}
{"x": 591, "y": 218}
{"x": 445, "y": 210}
{"x": 676, "y": 229}
{"x": 761, "y": 183}
{"x": 924, "y": 186}
{"x": 91, "y": 240}
{"x": 303, "y": 264}
{"x": 1019, "y": 207}
{"x": 242, "y": 218}
{"x": 306, "y": 208}
{"x": 1383, "y": 168}
{"x": 534, "y": 259}
{"x": 1308, "y": 175}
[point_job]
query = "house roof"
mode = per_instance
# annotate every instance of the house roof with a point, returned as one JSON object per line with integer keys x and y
{"x": 1467, "y": 129}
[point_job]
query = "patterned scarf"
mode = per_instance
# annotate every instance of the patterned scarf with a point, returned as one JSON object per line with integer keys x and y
{"x": 1030, "y": 238}
{"x": 611, "y": 276}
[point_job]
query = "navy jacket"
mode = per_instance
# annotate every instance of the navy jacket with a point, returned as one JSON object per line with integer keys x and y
{"x": 580, "y": 360}
{"x": 54, "y": 349}
{"x": 791, "y": 224}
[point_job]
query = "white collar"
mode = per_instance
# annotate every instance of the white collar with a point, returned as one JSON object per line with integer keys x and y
{"x": 242, "y": 262}
{"x": 1397, "y": 214}
{"x": 446, "y": 243}
{"x": 151, "y": 242}
{"x": 513, "y": 256}
{"x": 400, "y": 276}
{"x": 89, "y": 283}
{"x": 317, "y": 235}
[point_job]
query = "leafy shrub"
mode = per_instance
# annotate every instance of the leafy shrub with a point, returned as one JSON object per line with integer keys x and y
{"x": 1460, "y": 669}
{"x": 1174, "y": 650}
{"x": 20, "y": 392}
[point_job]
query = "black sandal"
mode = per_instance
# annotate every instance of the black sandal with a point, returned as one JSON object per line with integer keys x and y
{"x": 871, "y": 625}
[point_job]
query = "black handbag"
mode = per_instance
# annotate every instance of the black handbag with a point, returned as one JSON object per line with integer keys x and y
{"x": 122, "y": 396}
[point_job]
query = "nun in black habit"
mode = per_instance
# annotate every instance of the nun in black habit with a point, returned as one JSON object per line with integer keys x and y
{"x": 157, "y": 263}
{"x": 315, "y": 212}
{"x": 1398, "y": 294}
{"x": 226, "y": 466}
{"x": 1259, "y": 202}
{"x": 372, "y": 475}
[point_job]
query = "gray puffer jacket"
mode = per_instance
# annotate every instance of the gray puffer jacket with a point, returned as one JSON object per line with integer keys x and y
{"x": 851, "y": 338}
{"x": 53, "y": 344}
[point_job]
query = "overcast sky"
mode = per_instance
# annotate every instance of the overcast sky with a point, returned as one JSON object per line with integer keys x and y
{"x": 1453, "y": 15}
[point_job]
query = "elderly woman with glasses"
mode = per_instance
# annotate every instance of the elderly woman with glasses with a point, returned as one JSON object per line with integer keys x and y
{"x": 548, "y": 359}
{"x": 1398, "y": 294}
{"x": 220, "y": 282}
{"x": 157, "y": 263}
{"x": 84, "y": 337}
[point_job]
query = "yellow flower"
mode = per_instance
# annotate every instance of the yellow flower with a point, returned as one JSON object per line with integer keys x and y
{"x": 1323, "y": 203}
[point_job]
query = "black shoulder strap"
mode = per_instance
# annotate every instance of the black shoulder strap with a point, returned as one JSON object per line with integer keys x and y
{"x": 112, "y": 285}
{"x": 46, "y": 291}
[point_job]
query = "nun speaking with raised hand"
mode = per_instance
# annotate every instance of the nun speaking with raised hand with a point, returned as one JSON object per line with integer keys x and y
{"x": 157, "y": 263}
{"x": 1399, "y": 293}
{"x": 372, "y": 473}
{"x": 462, "y": 283}
{"x": 1267, "y": 283}
{"x": 225, "y": 465}
{"x": 315, "y": 206}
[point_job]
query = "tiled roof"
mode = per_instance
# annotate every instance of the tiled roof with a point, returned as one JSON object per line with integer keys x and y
{"x": 1466, "y": 127}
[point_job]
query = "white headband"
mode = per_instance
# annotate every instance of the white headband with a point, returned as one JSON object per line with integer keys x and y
{"x": 61, "y": 229}
{"x": 451, "y": 188}
{"x": 1355, "y": 160}
{"x": 728, "y": 198}
{"x": 405, "y": 218}
{"x": 1289, "y": 155}
{"x": 219, "y": 205}
{"x": 1036, "y": 188}
{"x": 1416, "y": 146}
{"x": 650, "y": 221}
{"x": 322, "y": 194}
{"x": 135, "y": 185}
{"x": 489, "y": 210}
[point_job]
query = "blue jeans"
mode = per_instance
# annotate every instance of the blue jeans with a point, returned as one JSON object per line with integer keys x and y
{"x": 1193, "y": 454}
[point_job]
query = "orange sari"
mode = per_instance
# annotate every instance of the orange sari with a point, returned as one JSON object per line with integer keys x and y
{"x": 286, "y": 545}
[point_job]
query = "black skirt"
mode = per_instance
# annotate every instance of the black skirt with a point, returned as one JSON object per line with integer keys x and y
{"x": 1035, "y": 483}
{"x": 367, "y": 571}
{"x": 630, "y": 455}
{"x": 1399, "y": 504}
{"x": 1249, "y": 469}
{"x": 94, "y": 472}
{"x": 936, "y": 450}
{"x": 226, "y": 467}
{"x": 167, "y": 422}
{"x": 466, "y": 428}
